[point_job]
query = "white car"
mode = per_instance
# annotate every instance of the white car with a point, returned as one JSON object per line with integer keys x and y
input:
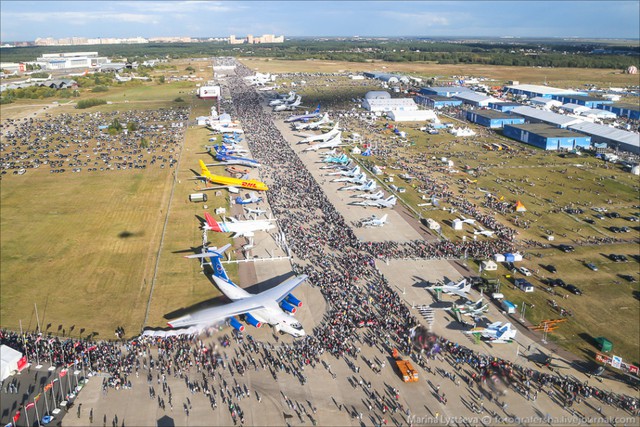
{"x": 524, "y": 271}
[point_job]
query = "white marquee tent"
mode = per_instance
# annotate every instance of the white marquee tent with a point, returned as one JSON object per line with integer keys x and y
{"x": 9, "y": 362}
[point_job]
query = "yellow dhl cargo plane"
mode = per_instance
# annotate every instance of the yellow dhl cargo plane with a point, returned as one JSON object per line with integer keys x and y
{"x": 231, "y": 184}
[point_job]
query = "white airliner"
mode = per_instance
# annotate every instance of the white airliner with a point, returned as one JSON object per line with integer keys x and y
{"x": 313, "y": 125}
{"x": 358, "y": 179}
{"x": 336, "y": 141}
{"x": 374, "y": 221}
{"x": 274, "y": 306}
{"x": 283, "y": 99}
{"x": 122, "y": 79}
{"x": 304, "y": 117}
{"x": 375, "y": 196}
{"x": 351, "y": 172}
{"x": 238, "y": 228}
{"x": 367, "y": 186}
{"x": 389, "y": 202}
{"x": 322, "y": 137}
{"x": 255, "y": 211}
{"x": 259, "y": 79}
{"x": 497, "y": 333}
{"x": 460, "y": 289}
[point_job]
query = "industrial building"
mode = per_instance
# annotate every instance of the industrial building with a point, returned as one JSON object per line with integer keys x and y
{"x": 446, "y": 91}
{"x": 616, "y": 139}
{"x": 493, "y": 119}
{"x": 413, "y": 116}
{"x": 70, "y": 60}
{"x": 629, "y": 111}
{"x": 546, "y": 103}
{"x": 504, "y": 106}
{"x": 475, "y": 99}
{"x": 208, "y": 92}
{"x": 547, "y": 137}
{"x": 531, "y": 91}
{"x": 437, "y": 102}
{"x": 392, "y": 79}
{"x": 587, "y": 101}
{"x": 389, "y": 104}
{"x": 533, "y": 115}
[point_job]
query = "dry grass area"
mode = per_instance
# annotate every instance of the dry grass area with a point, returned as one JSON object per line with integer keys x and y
{"x": 80, "y": 246}
{"x": 561, "y": 77}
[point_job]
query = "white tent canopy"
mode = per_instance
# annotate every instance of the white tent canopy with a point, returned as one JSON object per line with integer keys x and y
{"x": 9, "y": 362}
{"x": 413, "y": 116}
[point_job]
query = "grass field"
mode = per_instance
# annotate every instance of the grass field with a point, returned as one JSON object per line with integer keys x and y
{"x": 561, "y": 77}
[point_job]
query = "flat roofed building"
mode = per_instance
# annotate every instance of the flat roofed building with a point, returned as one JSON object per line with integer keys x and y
{"x": 447, "y": 91}
{"x": 504, "y": 106}
{"x": 531, "y": 91}
{"x": 475, "y": 99}
{"x": 630, "y": 111}
{"x": 413, "y": 116}
{"x": 533, "y": 115}
{"x": 547, "y": 137}
{"x": 613, "y": 137}
{"x": 393, "y": 104}
{"x": 437, "y": 101}
{"x": 493, "y": 119}
{"x": 587, "y": 101}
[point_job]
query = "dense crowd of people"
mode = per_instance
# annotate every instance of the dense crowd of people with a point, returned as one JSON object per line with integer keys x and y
{"x": 362, "y": 308}
{"x": 84, "y": 142}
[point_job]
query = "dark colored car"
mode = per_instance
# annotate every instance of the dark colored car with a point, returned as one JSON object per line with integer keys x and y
{"x": 573, "y": 289}
{"x": 589, "y": 221}
{"x": 566, "y": 248}
{"x": 628, "y": 277}
{"x": 618, "y": 258}
{"x": 615, "y": 229}
{"x": 599, "y": 216}
{"x": 557, "y": 282}
{"x": 613, "y": 214}
{"x": 551, "y": 269}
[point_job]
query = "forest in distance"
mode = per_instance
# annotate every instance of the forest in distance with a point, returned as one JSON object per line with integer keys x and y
{"x": 615, "y": 54}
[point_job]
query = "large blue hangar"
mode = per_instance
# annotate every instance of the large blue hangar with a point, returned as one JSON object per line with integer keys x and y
{"x": 435, "y": 101}
{"x": 546, "y": 137}
{"x": 531, "y": 91}
{"x": 587, "y": 101}
{"x": 630, "y": 111}
{"x": 493, "y": 119}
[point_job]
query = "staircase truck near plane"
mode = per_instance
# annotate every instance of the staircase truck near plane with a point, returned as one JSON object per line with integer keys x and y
{"x": 408, "y": 373}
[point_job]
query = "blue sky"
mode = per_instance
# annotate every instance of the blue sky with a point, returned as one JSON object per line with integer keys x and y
{"x": 25, "y": 20}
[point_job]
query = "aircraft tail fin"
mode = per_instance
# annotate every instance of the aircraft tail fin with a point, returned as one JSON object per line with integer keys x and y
{"x": 317, "y": 110}
{"x": 203, "y": 168}
{"x": 384, "y": 218}
{"x": 212, "y": 224}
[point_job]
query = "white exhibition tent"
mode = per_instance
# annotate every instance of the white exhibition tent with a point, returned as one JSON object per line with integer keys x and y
{"x": 412, "y": 116}
{"x": 9, "y": 362}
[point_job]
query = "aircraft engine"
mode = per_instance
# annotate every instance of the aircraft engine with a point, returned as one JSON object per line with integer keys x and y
{"x": 252, "y": 320}
{"x": 235, "y": 323}
{"x": 287, "y": 307}
{"x": 293, "y": 300}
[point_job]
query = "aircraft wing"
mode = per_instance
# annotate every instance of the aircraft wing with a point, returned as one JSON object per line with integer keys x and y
{"x": 279, "y": 292}
{"x": 458, "y": 292}
{"x": 231, "y": 188}
{"x": 209, "y": 316}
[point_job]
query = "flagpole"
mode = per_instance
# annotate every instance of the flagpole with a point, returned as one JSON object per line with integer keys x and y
{"x": 38, "y": 366}
{"x": 26, "y": 414}
{"x": 46, "y": 402}
{"x": 24, "y": 342}
{"x": 37, "y": 415}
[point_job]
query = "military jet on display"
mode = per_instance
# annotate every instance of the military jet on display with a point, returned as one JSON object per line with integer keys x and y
{"x": 252, "y": 198}
{"x": 238, "y": 228}
{"x": 342, "y": 159}
{"x": 374, "y": 221}
{"x": 289, "y": 106}
{"x": 460, "y": 289}
{"x": 322, "y": 137}
{"x": 331, "y": 144}
{"x": 358, "y": 179}
{"x": 367, "y": 186}
{"x": 375, "y": 196}
{"x": 304, "y": 117}
{"x": 313, "y": 125}
{"x": 389, "y": 202}
{"x": 283, "y": 99}
{"x": 474, "y": 309}
{"x": 351, "y": 172}
{"x": 496, "y": 333}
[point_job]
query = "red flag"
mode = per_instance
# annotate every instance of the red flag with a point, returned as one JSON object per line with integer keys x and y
{"x": 63, "y": 373}
{"x": 29, "y": 406}
{"x": 77, "y": 343}
{"x": 93, "y": 347}
{"x": 16, "y": 417}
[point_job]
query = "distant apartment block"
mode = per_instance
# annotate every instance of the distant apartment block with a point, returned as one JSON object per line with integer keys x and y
{"x": 266, "y": 38}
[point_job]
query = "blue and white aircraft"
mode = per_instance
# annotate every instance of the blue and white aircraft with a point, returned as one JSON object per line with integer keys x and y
{"x": 342, "y": 159}
{"x": 253, "y": 198}
{"x": 274, "y": 306}
{"x": 226, "y": 159}
{"x": 304, "y": 117}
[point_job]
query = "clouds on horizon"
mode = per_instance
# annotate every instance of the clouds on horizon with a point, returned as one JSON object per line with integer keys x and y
{"x": 30, "y": 20}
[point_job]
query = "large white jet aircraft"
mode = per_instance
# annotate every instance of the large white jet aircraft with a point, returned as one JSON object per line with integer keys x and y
{"x": 289, "y": 106}
{"x": 304, "y": 117}
{"x": 497, "y": 333}
{"x": 389, "y": 202}
{"x": 460, "y": 289}
{"x": 358, "y": 179}
{"x": 259, "y": 79}
{"x": 375, "y": 196}
{"x": 274, "y": 306}
{"x": 374, "y": 221}
{"x": 238, "y": 228}
{"x": 330, "y": 144}
{"x": 283, "y": 100}
{"x": 313, "y": 125}
{"x": 322, "y": 137}
{"x": 122, "y": 79}
{"x": 367, "y": 186}
{"x": 351, "y": 172}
